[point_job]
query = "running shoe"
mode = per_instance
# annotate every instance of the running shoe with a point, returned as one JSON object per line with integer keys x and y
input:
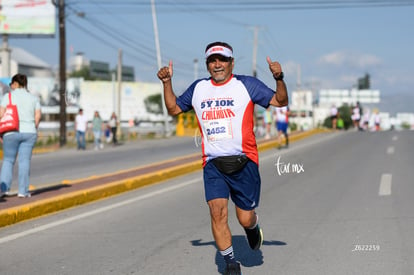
{"x": 255, "y": 237}
{"x": 233, "y": 269}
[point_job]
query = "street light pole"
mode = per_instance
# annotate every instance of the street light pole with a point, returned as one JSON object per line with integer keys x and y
{"x": 157, "y": 47}
{"x": 62, "y": 73}
{"x": 255, "y": 41}
{"x": 119, "y": 71}
{"x": 195, "y": 68}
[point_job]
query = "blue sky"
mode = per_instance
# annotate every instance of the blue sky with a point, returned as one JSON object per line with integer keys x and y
{"x": 333, "y": 47}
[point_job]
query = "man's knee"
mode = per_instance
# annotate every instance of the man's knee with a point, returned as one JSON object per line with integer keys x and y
{"x": 246, "y": 219}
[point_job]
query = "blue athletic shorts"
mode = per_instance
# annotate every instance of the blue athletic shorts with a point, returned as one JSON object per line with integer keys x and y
{"x": 243, "y": 186}
{"x": 281, "y": 126}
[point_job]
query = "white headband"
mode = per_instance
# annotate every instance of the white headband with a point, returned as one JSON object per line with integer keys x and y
{"x": 219, "y": 50}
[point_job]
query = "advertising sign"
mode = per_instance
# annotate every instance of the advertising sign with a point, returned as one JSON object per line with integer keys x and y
{"x": 27, "y": 17}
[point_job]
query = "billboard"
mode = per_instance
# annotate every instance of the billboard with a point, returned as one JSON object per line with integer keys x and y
{"x": 93, "y": 96}
{"x": 27, "y": 17}
{"x": 102, "y": 96}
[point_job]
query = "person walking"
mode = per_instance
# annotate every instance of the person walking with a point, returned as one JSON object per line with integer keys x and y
{"x": 377, "y": 120}
{"x": 334, "y": 116}
{"x": 81, "y": 124}
{"x": 224, "y": 106}
{"x": 97, "y": 124}
{"x": 21, "y": 143}
{"x": 113, "y": 124}
{"x": 365, "y": 120}
{"x": 356, "y": 116}
{"x": 267, "y": 120}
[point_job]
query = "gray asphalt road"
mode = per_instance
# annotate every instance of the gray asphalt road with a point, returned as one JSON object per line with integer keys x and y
{"x": 70, "y": 164}
{"x": 335, "y": 204}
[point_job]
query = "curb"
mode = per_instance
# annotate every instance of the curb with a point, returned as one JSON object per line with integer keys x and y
{"x": 39, "y": 208}
{"x": 47, "y": 206}
{"x": 266, "y": 145}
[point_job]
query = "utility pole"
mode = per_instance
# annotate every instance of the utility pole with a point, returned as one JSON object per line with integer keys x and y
{"x": 5, "y": 56}
{"x": 255, "y": 42}
{"x": 157, "y": 47}
{"x": 62, "y": 72}
{"x": 254, "y": 61}
{"x": 119, "y": 84}
{"x": 299, "y": 78}
{"x": 195, "y": 68}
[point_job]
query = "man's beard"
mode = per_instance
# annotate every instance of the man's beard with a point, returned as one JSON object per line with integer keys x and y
{"x": 219, "y": 77}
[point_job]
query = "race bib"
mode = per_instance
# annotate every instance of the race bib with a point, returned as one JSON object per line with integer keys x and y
{"x": 218, "y": 129}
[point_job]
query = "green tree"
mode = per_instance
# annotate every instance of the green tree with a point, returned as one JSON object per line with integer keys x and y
{"x": 84, "y": 72}
{"x": 345, "y": 113}
{"x": 405, "y": 125}
{"x": 153, "y": 104}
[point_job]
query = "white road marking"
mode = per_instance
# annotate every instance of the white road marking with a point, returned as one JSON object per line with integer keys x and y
{"x": 146, "y": 196}
{"x": 385, "y": 185}
{"x": 390, "y": 150}
{"x": 94, "y": 212}
{"x": 394, "y": 138}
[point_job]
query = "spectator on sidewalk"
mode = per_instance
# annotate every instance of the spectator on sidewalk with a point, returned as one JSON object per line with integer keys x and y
{"x": 97, "y": 125}
{"x": 334, "y": 116}
{"x": 81, "y": 124}
{"x": 113, "y": 124}
{"x": 19, "y": 144}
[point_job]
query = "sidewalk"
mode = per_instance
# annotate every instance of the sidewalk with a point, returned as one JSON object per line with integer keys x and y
{"x": 62, "y": 196}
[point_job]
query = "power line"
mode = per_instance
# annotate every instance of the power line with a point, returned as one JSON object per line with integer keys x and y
{"x": 138, "y": 51}
{"x": 233, "y": 6}
{"x": 137, "y": 44}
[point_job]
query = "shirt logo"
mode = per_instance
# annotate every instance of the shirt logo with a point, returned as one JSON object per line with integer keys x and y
{"x": 217, "y": 109}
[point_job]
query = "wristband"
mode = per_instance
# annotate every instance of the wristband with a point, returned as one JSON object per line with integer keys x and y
{"x": 279, "y": 77}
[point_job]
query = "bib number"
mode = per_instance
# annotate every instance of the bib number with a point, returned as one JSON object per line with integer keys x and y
{"x": 218, "y": 130}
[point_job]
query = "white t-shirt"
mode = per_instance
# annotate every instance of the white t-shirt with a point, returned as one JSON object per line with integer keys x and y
{"x": 355, "y": 113}
{"x": 281, "y": 114}
{"x": 81, "y": 123}
{"x": 112, "y": 122}
{"x": 225, "y": 114}
{"x": 377, "y": 118}
{"x": 334, "y": 111}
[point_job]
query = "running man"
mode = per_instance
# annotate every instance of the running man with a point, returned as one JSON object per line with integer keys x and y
{"x": 282, "y": 122}
{"x": 224, "y": 106}
{"x": 334, "y": 116}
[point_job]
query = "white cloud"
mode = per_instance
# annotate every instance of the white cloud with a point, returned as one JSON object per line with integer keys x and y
{"x": 350, "y": 59}
{"x": 290, "y": 67}
{"x": 336, "y": 58}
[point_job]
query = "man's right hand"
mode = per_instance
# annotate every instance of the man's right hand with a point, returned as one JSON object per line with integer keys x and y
{"x": 274, "y": 67}
{"x": 165, "y": 73}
